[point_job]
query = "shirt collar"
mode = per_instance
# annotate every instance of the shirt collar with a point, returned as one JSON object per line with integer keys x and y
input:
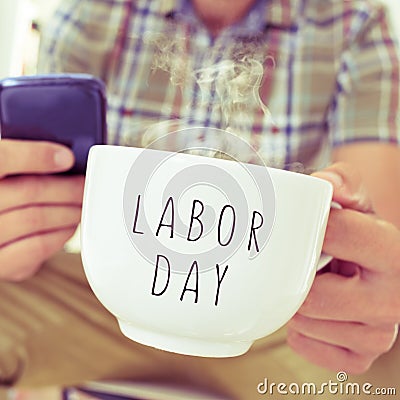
{"x": 279, "y": 14}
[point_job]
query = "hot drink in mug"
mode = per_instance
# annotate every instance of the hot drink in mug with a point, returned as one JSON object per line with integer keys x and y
{"x": 198, "y": 255}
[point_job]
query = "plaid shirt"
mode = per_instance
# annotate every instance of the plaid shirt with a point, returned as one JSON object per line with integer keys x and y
{"x": 330, "y": 71}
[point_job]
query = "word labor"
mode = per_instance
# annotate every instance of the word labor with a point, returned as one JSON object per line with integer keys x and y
{"x": 197, "y": 211}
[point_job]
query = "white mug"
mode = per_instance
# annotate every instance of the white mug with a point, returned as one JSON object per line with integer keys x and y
{"x": 197, "y": 255}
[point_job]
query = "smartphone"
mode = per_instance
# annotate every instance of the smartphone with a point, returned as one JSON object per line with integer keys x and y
{"x": 64, "y": 108}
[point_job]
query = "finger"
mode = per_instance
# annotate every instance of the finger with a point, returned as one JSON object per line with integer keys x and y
{"x": 27, "y": 157}
{"x": 348, "y": 189}
{"x": 21, "y": 191}
{"x": 328, "y": 356}
{"x": 376, "y": 340}
{"x": 23, "y": 258}
{"x": 352, "y": 299}
{"x": 29, "y": 221}
{"x": 363, "y": 239}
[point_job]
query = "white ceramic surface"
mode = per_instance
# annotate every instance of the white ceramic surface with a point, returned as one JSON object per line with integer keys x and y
{"x": 197, "y": 309}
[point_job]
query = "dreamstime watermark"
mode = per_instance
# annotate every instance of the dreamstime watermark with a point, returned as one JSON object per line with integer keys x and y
{"x": 340, "y": 386}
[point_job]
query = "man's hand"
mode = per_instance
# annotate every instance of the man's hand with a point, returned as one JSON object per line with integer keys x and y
{"x": 351, "y": 314}
{"x": 39, "y": 212}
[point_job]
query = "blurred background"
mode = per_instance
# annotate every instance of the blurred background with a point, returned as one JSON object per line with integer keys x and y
{"x": 21, "y": 20}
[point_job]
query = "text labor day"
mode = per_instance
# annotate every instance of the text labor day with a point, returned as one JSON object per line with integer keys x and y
{"x": 226, "y": 219}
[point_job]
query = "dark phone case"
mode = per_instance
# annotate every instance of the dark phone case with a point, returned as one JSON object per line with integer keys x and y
{"x": 65, "y": 108}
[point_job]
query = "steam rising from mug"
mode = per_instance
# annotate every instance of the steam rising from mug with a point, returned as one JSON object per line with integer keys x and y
{"x": 230, "y": 85}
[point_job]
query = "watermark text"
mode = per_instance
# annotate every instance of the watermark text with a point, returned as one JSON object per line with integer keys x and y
{"x": 339, "y": 386}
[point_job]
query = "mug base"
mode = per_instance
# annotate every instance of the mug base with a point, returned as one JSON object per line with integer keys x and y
{"x": 184, "y": 345}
